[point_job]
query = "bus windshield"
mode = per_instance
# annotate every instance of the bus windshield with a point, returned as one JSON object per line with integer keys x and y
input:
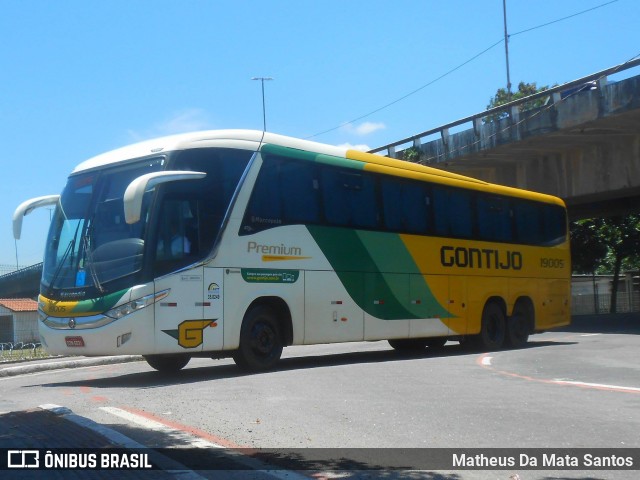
{"x": 89, "y": 242}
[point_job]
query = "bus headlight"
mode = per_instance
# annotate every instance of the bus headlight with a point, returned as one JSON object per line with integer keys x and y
{"x": 135, "y": 305}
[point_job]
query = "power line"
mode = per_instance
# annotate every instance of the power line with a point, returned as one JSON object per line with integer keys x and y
{"x": 413, "y": 92}
{"x": 562, "y": 19}
{"x": 410, "y": 93}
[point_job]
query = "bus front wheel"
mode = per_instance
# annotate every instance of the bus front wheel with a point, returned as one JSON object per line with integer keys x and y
{"x": 260, "y": 340}
{"x": 169, "y": 363}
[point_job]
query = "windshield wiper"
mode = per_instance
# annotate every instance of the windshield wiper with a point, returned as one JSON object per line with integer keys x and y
{"x": 90, "y": 262}
{"x": 71, "y": 247}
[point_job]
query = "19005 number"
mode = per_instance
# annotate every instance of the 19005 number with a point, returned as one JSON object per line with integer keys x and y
{"x": 552, "y": 263}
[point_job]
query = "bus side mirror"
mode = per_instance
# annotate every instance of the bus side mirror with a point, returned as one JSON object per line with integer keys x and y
{"x": 25, "y": 208}
{"x": 135, "y": 191}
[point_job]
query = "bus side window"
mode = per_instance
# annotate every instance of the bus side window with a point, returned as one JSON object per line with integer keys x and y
{"x": 440, "y": 211}
{"x": 392, "y": 204}
{"x": 299, "y": 190}
{"x": 527, "y": 220}
{"x": 348, "y": 198}
{"x": 494, "y": 218}
{"x": 415, "y": 203}
{"x": 405, "y": 206}
{"x": 265, "y": 207}
{"x": 554, "y": 224}
{"x": 453, "y": 212}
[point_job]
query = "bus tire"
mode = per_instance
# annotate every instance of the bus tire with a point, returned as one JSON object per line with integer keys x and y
{"x": 169, "y": 363}
{"x": 494, "y": 328}
{"x": 519, "y": 325}
{"x": 260, "y": 340}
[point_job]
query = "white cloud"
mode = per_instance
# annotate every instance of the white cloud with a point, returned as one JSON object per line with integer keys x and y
{"x": 361, "y": 146}
{"x": 364, "y": 128}
{"x": 188, "y": 120}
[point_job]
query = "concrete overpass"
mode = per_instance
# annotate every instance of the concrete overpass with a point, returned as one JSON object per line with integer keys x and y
{"x": 583, "y": 145}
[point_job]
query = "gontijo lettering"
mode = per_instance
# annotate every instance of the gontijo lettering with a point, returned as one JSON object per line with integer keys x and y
{"x": 480, "y": 258}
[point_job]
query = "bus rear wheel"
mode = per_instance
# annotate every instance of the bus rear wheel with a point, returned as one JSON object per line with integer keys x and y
{"x": 169, "y": 363}
{"x": 260, "y": 340}
{"x": 494, "y": 328}
{"x": 519, "y": 326}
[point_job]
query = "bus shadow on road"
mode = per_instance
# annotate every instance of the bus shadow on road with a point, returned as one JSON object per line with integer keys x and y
{"x": 199, "y": 373}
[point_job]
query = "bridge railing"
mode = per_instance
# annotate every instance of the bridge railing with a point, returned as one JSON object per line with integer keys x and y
{"x": 512, "y": 109}
{"x": 21, "y": 283}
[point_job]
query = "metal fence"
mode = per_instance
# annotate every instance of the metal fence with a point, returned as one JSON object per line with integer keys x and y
{"x": 15, "y": 352}
{"x": 590, "y": 304}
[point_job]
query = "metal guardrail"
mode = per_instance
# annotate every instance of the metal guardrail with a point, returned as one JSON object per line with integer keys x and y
{"x": 510, "y": 108}
{"x": 21, "y": 283}
{"x": 22, "y": 271}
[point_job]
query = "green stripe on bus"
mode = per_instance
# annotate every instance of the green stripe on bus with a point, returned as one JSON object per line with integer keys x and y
{"x": 378, "y": 272}
{"x": 100, "y": 304}
{"x": 287, "y": 152}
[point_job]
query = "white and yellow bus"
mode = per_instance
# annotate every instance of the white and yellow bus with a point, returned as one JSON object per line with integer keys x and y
{"x": 239, "y": 242}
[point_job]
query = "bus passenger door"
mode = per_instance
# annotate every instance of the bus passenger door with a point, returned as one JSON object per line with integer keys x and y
{"x": 179, "y": 316}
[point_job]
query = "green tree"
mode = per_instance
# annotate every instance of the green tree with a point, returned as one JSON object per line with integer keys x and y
{"x": 588, "y": 250}
{"x": 620, "y": 235}
{"x": 502, "y": 97}
{"x": 411, "y": 154}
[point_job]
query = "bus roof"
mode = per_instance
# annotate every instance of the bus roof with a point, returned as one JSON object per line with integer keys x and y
{"x": 254, "y": 139}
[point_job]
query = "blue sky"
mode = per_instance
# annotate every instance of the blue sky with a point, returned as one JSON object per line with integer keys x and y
{"x": 83, "y": 77}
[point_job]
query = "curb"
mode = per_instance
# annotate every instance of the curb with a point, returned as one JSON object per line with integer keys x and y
{"x": 80, "y": 362}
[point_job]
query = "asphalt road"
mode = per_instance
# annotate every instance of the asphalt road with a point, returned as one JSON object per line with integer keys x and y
{"x": 578, "y": 388}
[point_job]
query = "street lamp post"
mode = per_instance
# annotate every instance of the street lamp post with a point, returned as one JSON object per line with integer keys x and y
{"x": 506, "y": 47}
{"x": 264, "y": 110}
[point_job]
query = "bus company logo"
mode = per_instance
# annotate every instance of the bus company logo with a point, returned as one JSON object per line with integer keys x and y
{"x": 213, "y": 292}
{"x": 190, "y": 333}
{"x": 485, "y": 258}
{"x": 23, "y": 459}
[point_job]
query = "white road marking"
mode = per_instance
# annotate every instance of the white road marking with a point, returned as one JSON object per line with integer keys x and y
{"x": 196, "y": 442}
{"x": 598, "y": 385}
{"x": 159, "y": 427}
{"x": 170, "y": 466}
{"x": 590, "y": 334}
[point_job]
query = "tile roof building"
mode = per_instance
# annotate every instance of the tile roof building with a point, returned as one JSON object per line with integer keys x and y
{"x": 18, "y": 320}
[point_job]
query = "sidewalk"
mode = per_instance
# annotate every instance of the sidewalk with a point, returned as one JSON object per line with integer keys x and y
{"x": 34, "y": 437}
{"x": 10, "y": 369}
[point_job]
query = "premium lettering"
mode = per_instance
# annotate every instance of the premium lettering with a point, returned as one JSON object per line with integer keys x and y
{"x": 282, "y": 249}
{"x": 486, "y": 258}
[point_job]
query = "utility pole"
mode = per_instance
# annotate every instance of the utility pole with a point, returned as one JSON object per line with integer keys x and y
{"x": 506, "y": 47}
{"x": 264, "y": 110}
{"x": 15, "y": 242}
